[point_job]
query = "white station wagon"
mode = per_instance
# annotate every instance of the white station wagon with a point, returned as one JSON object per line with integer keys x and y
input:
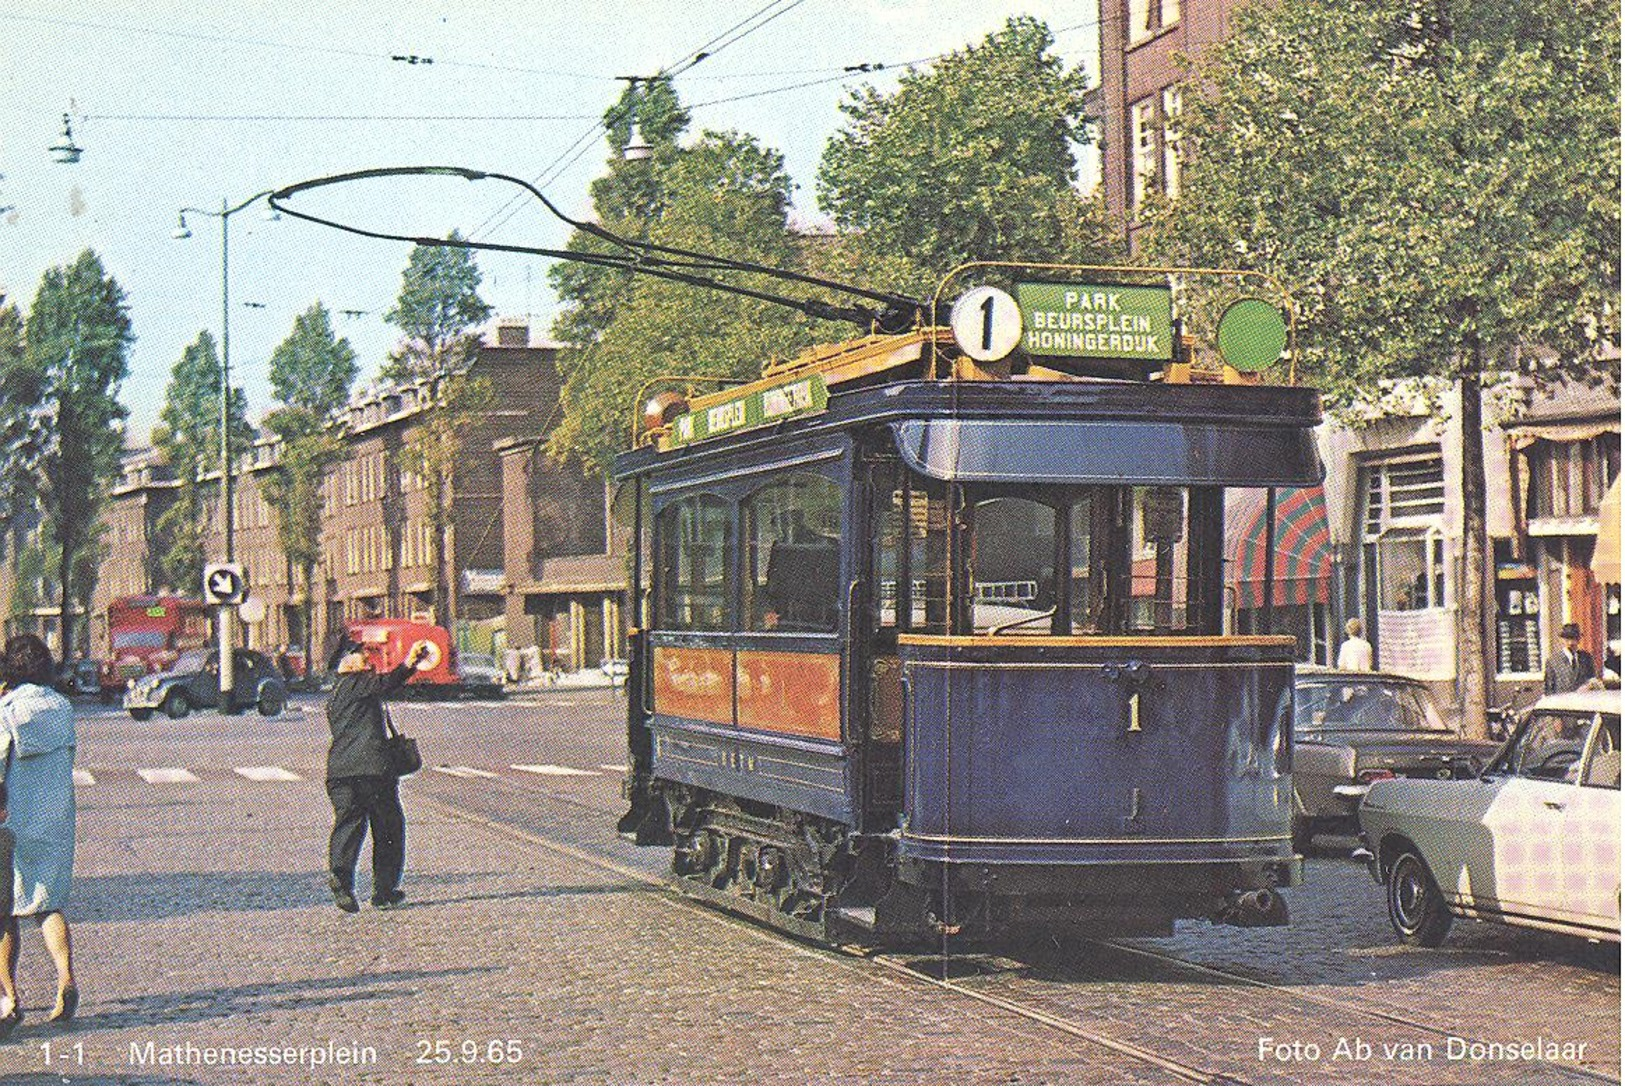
{"x": 1532, "y": 842}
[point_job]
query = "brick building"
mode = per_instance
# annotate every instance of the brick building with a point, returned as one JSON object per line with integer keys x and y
{"x": 526, "y": 547}
{"x": 562, "y": 558}
{"x": 1140, "y": 95}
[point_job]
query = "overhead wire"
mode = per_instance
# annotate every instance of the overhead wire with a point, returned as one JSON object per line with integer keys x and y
{"x": 749, "y": 25}
{"x": 298, "y": 47}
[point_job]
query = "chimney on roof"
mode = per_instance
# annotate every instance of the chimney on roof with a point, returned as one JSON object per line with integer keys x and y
{"x": 513, "y": 333}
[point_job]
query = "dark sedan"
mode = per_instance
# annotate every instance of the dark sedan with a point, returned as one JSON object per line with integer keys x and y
{"x": 194, "y": 683}
{"x": 1353, "y": 729}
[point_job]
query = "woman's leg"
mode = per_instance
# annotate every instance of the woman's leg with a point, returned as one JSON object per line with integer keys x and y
{"x": 59, "y": 944}
{"x": 8, "y": 961}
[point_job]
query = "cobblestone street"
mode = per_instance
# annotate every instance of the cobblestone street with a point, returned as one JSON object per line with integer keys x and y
{"x": 538, "y": 948}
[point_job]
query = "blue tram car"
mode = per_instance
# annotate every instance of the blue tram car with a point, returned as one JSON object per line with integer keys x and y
{"x": 929, "y": 647}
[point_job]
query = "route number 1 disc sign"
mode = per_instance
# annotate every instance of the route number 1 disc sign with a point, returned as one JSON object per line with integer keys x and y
{"x": 986, "y": 323}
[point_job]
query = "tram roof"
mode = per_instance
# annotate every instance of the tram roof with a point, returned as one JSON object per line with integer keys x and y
{"x": 1055, "y": 432}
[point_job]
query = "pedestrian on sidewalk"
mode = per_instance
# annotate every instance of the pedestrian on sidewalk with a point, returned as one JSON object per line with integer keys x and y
{"x": 364, "y": 791}
{"x": 37, "y": 735}
{"x": 1570, "y": 667}
{"x": 1355, "y": 654}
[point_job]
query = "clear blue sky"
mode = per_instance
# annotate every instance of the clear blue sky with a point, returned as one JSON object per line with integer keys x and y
{"x": 188, "y": 104}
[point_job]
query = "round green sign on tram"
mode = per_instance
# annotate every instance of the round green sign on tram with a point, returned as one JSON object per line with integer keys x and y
{"x": 1252, "y": 334}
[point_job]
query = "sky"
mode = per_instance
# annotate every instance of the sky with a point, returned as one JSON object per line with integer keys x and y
{"x": 188, "y": 105}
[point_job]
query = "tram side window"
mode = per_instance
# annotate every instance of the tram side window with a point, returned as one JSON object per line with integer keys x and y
{"x": 1012, "y": 566}
{"x": 793, "y": 555}
{"x": 696, "y": 537}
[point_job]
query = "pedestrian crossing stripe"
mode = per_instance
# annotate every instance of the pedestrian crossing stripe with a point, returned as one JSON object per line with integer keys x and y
{"x": 267, "y": 774}
{"x": 83, "y": 778}
{"x": 166, "y": 775}
{"x": 466, "y": 773}
{"x": 553, "y": 770}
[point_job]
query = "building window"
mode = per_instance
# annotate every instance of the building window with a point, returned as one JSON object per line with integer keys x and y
{"x": 1172, "y": 103}
{"x": 1568, "y": 479}
{"x": 1402, "y": 534}
{"x": 1148, "y": 18}
{"x": 1144, "y": 135}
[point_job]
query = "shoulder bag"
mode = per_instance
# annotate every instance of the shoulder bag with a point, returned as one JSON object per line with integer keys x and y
{"x": 400, "y": 752}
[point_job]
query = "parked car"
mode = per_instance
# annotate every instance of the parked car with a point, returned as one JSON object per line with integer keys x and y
{"x": 1533, "y": 842}
{"x": 81, "y": 677}
{"x": 479, "y": 674}
{"x": 194, "y": 682}
{"x": 1351, "y": 729}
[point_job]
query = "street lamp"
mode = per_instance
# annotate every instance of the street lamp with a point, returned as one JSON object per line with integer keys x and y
{"x": 637, "y": 147}
{"x": 182, "y": 231}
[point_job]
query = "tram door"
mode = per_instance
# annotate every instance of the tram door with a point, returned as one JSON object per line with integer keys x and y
{"x": 880, "y": 709}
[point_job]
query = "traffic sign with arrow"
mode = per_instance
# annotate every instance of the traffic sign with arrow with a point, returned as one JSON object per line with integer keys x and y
{"x": 224, "y": 584}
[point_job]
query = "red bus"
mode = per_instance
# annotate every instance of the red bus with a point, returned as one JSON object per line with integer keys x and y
{"x": 146, "y": 633}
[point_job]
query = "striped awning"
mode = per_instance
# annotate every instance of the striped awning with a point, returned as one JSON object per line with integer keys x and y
{"x": 1303, "y": 546}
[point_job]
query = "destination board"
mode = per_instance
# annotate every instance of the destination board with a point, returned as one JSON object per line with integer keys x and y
{"x": 1098, "y": 321}
{"x": 751, "y": 409}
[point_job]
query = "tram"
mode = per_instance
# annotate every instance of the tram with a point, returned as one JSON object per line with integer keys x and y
{"x": 929, "y": 638}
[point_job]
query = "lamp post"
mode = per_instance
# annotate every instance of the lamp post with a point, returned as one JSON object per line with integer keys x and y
{"x": 227, "y": 210}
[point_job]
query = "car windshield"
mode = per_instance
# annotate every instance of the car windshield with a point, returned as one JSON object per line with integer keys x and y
{"x": 128, "y": 641}
{"x": 189, "y": 663}
{"x": 1355, "y": 705}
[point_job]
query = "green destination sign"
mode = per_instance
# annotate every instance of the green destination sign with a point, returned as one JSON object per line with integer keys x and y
{"x": 751, "y": 410}
{"x": 1101, "y": 321}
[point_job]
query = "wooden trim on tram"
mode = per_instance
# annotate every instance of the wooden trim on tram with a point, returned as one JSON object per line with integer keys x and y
{"x": 917, "y": 639}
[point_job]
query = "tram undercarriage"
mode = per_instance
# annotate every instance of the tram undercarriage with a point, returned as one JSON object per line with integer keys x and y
{"x": 813, "y": 877}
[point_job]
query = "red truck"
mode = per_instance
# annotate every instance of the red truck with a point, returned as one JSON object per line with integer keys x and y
{"x": 146, "y": 633}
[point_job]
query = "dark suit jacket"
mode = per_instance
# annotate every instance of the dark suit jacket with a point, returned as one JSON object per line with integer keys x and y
{"x": 355, "y": 716}
{"x": 1563, "y": 676}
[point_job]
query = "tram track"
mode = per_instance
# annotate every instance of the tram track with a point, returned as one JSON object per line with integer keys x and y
{"x": 848, "y": 957}
{"x": 1026, "y": 1000}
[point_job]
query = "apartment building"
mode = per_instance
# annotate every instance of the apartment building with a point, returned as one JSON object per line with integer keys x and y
{"x": 1141, "y": 95}
{"x": 527, "y": 545}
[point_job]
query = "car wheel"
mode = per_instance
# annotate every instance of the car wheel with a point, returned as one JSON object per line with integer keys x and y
{"x": 141, "y": 715}
{"x": 175, "y": 705}
{"x": 270, "y": 704}
{"x": 1416, "y": 908}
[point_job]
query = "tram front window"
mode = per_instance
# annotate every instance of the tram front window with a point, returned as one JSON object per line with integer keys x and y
{"x": 1095, "y": 560}
{"x": 1012, "y": 566}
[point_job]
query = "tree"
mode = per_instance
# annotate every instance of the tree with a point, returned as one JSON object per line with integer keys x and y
{"x": 78, "y": 337}
{"x": 188, "y": 435}
{"x": 969, "y": 159}
{"x": 438, "y": 307}
{"x": 16, "y": 493}
{"x": 1437, "y": 182}
{"x": 439, "y": 304}
{"x": 725, "y": 194}
{"x": 311, "y": 374}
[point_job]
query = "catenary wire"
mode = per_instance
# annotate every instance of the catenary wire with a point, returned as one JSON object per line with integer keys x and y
{"x": 297, "y": 47}
{"x": 578, "y": 148}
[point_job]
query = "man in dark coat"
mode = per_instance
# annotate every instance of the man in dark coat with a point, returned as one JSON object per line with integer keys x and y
{"x": 363, "y": 790}
{"x": 1571, "y": 667}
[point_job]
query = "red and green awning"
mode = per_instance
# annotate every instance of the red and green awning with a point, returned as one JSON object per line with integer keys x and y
{"x": 1303, "y": 546}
